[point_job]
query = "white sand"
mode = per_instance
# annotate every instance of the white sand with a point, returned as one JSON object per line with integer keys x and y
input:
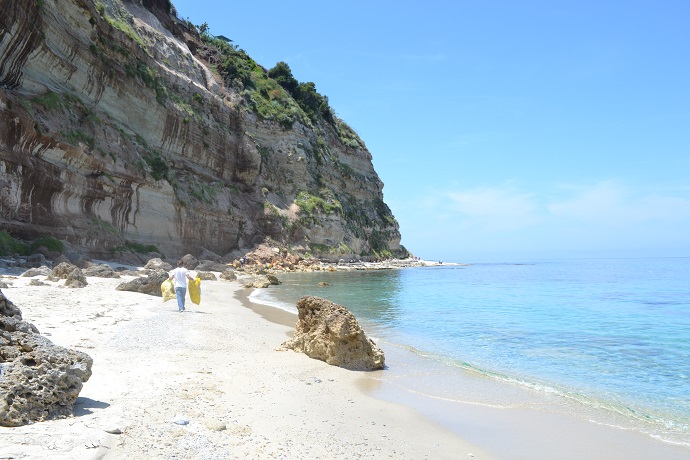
{"x": 212, "y": 365}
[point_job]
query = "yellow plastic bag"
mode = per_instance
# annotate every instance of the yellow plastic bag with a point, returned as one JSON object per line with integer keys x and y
{"x": 194, "y": 288}
{"x": 167, "y": 290}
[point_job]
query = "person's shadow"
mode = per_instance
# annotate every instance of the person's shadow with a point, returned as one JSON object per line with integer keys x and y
{"x": 83, "y": 406}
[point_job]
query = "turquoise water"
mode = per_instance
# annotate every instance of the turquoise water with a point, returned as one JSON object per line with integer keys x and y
{"x": 608, "y": 333}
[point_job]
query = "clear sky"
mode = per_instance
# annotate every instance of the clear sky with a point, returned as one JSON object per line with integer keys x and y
{"x": 500, "y": 128}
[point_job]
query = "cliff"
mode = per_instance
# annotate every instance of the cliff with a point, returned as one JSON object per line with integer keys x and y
{"x": 121, "y": 124}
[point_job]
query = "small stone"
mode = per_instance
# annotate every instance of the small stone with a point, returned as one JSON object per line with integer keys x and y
{"x": 180, "y": 420}
{"x": 113, "y": 430}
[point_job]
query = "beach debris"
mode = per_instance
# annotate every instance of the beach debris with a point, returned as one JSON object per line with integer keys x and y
{"x": 147, "y": 285}
{"x": 180, "y": 420}
{"x": 330, "y": 332}
{"x": 38, "y": 380}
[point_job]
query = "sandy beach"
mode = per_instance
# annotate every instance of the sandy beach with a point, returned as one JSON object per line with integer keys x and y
{"x": 209, "y": 384}
{"x": 206, "y": 384}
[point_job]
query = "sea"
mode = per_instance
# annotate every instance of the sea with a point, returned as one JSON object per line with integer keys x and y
{"x": 605, "y": 338}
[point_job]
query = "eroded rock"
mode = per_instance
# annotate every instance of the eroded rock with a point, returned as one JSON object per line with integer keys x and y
{"x": 158, "y": 264}
{"x": 38, "y": 380}
{"x": 150, "y": 284}
{"x": 331, "y": 333}
{"x": 101, "y": 271}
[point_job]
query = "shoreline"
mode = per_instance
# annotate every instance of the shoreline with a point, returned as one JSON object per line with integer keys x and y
{"x": 510, "y": 412}
{"x": 215, "y": 369}
{"x": 216, "y": 365}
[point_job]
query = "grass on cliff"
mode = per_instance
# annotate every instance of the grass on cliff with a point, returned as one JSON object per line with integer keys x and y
{"x": 309, "y": 203}
{"x": 10, "y": 246}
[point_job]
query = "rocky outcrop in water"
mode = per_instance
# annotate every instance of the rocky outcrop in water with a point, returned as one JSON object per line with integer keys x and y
{"x": 122, "y": 126}
{"x": 38, "y": 380}
{"x": 331, "y": 333}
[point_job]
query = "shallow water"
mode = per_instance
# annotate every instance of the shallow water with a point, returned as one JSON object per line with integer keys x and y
{"x": 608, "y": 337}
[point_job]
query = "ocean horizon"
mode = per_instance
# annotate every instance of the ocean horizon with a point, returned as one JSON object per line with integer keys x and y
{"x": 607, "y": 340}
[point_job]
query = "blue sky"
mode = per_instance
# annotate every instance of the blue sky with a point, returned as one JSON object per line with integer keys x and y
{"x": 501, "y": 128}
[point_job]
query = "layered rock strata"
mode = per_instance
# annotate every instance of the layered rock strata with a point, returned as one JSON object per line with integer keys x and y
{"x": 116, "y": 129}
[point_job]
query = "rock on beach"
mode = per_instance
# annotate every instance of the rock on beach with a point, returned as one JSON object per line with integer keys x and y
{"x": 38, "y": 380}
{"x": 331, "y": 333}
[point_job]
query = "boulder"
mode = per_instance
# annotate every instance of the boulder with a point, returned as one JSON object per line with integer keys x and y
{"x": 158, "y": 264}
{"x": 76, "y": 279}
{"x": 263, "y": 282}
{"x": 228, "y": 275}
{"x": 208, "y": 276}
{"x": 331, "y": 333}
{"x": 38, "y": 380}
{"x": 101, "y": 271}
{"x": 211, "y": 266}
{"x": 149, "y": 285}
{"x": 37, "y": 260}
{"x": 190, "y": 262}
{"x": 63, "y": 270}
{"x": 40, "y": 271}
{"x": 209, "y": 255}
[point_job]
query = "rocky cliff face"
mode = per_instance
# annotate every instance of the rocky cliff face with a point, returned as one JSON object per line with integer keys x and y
{"x": 116, "y": 127}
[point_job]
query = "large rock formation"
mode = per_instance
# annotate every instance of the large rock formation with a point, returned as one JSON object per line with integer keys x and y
{"x": 38, "y": 380}
{"x": 149, "y": 285}
{"x": 330, "y": 332}
{"x": 123, "y": 126}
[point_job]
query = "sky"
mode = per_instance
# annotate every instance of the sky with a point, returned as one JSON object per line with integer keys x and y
{"x": 500, "y": 129}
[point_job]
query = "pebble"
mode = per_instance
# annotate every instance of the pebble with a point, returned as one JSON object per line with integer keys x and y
{"x": 112, "y": 430}
{"x": 180, "y": 420}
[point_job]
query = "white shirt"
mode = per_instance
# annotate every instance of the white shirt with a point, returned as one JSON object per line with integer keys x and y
{"x": 180, "y": 277}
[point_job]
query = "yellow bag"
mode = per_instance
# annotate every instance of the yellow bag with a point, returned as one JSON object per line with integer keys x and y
{"x": 194, "y": 288}
{"x": 167, "y": 290}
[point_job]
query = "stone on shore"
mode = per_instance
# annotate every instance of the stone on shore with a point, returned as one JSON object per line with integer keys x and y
{"x": 211, "y": 266}
{"x": 146, "y": 285}
{"x": 206, "y": 276}
{"x": 228, "y": 275}
{"x": 101, "y": 271}
{"x": 71, "y": 273}
{"x": 263, "y": 282}
{"x": 158, "y": 264}
{"x": 38, "y": 271}
{"x": 38, "y": 380}
{"x": 331, "y": 333}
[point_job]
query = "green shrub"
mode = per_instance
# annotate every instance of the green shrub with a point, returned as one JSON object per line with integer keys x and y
{"x": 308, "y": 203}
{"x": 9, "y": 246}
{"x": 48, "y": 242}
